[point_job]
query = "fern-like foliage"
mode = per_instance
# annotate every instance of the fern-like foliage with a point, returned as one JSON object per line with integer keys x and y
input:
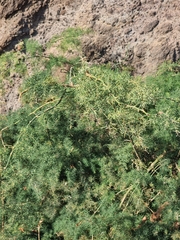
{"x": 94, "y": 159}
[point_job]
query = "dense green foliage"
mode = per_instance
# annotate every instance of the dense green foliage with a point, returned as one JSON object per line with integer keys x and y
{"x": 32, "y": 47}
{"x": 94, "y": 158}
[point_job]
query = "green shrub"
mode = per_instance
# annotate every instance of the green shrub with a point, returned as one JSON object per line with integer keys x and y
{"x": 33, "y": 47}
{"x": 12, "y": 62}
{"x": 97, "y": 159}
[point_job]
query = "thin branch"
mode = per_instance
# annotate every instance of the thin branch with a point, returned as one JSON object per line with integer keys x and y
{"x": 124, "y": 197}
{"x": 136, "y": 153}
{"x": 152, "y": 199}
{"x": 21, "y": 93}
{"x": 157, "y": 167}
{"x": 156, "y": 161}
{"x": 130, "y": 197}
{"x": 46, "y": 110}
{"x": 130, "y": 106}
{"x": 1, "y": 134}
{"x": 177, "y": 168}
{"x": 38, "y": 228}
{"x": 137, "y": 109}
{"x": 36, "y": 116}
{"x": 42, "y": 106}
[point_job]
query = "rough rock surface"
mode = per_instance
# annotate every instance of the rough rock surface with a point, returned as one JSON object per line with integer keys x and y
{"x": 10, "y": 100}
{"x": 140, "y": 33}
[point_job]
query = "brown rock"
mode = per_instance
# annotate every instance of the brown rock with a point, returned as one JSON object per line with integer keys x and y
{"x": 129, "y": 32}
{"x": 150, "y": 26}
{"x": 16, "y": 18}
{"x": 140, "y": 33}
{"x": 165, "y": 28}
{"x": 140, "y": 50}
{"x": 11, "y": 7}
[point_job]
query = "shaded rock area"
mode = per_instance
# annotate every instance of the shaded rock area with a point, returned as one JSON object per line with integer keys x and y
{"x": 139, "y": 33}
{"x": 10, "y": 101}
{"x": 17, "y": 19}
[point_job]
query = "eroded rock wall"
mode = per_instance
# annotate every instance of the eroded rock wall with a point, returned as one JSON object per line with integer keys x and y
{"x": 142, "y": 33}
{"x": 18, "y": 18}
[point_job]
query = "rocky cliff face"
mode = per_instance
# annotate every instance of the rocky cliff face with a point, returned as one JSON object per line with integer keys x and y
{"x": 142, "y": 33}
